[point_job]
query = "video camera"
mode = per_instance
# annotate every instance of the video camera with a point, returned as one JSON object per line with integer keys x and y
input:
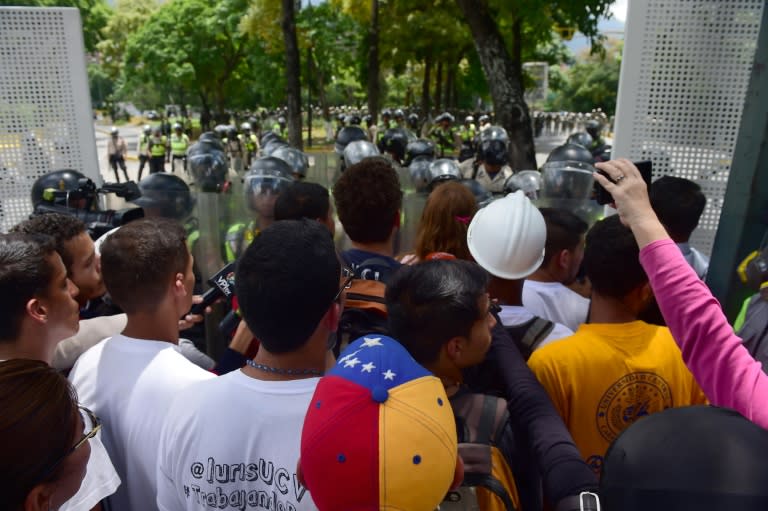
{"x": 81, "y": 202}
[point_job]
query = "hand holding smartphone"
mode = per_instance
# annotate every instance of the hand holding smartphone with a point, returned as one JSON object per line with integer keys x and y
{"x": 601, "y": 194}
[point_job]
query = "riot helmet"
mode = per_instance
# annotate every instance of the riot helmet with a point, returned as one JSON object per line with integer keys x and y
{"x": 281, "y": 121}
{"x": 246, "y": 126}
{"x": 346, "y": 135}
{"x": 443, "y": 169}
{"x": 529, "y": 181}
{"x": 399, "y": 114}
{"x": 166, "y": 194}
{"x": 358, "y": 150}
{"x": 208, "y": 167}
{"x": 413, "y": 121}
{"x": 394, "y": 142}
{"x": 269, "y": 136}
{"x": 176, "y": 126}
{"x": 65, "y": 180}
{"x": 273, "y": 145}
{"x": 482, "y": 196}
{"x": 581, "y": 138}
{"x": 221, "y": 130}
{"x": 421, "y": 148}
{"x": 420, "y": 176}
{"x": 368, "y": 119}
{"x": 469, "y": 119}
{"x": 208, "y": 141}
{"x": 353, "y": 120}
{"x": 147, "y": 129}
{"x": 113, "y": 131}
{"x": 493, "y": 152}
{"x": 265, "y": 180}
{"x": 296, "y": 159}
{"x": 483, "y": 120}
{"x": 593, "y": 128}
{"x": 494, "y": 133}
{"x": 570, "y": 152}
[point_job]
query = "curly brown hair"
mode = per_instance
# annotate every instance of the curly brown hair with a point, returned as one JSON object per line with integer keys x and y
{"x": 368, "y": 200}
{"x": 445, "y": 220}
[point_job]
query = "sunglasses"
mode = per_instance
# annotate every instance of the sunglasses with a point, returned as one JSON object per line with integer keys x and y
{"x": 95, "y": 427}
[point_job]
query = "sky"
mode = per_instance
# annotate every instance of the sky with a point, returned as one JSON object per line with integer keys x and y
{"x": 619, "y": 10}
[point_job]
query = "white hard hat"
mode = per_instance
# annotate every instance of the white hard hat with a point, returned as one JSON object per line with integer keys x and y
{"x": 507, "y": 237}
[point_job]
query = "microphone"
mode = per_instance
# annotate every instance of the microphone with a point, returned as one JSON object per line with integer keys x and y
{"x": 222, "y": 285}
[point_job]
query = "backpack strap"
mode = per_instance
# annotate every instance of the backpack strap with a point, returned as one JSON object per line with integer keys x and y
{"x": 530, "y": 334}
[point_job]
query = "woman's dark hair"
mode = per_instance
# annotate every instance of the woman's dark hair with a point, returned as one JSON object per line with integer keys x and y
{"x": 37, "y": 424}
{"x": 430, "y": 303}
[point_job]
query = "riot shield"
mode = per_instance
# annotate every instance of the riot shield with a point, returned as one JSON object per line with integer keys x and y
{"x": 569, "y": 185}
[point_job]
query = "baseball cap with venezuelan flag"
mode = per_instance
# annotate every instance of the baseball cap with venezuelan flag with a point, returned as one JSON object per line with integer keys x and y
{"x": 379, "y": 433}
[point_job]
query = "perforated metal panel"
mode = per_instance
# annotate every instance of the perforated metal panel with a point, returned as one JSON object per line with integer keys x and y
{"x": 684, "y": 76}
{"x": 45, "y": 108}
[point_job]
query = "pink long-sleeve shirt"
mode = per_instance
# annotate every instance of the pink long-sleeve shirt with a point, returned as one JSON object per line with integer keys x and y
{"x": 724, "y": 369}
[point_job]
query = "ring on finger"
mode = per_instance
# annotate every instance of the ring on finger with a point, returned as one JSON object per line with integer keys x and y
{"x": 619, "y": 178}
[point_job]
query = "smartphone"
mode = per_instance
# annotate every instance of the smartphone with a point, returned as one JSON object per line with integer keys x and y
{"x": 601, "y": 194}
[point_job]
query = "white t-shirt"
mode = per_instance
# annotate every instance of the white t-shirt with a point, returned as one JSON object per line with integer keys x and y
{"x": 698, "y": 261}
{"x": 555, "y": 302}
{"x": 130, "y": 383}
{"x": 233, "y": 443}
{"x": 513, "y": 315}
{"x": 101, "y": 479}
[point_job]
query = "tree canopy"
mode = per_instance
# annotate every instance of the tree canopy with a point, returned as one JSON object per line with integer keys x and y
{"x": 430, "y": 55}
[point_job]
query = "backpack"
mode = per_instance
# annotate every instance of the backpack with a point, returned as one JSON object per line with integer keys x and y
{"x": 365, "y": 311}
{"x": 530, "y": 334}
{"x": 488, "y": 482}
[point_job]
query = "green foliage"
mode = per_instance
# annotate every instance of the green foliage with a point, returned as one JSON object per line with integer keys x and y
{"x": 593, "y": 82}
{"x": 128, "y": 18}
{"x": 193, "y": 49}
{"x": 101, "y": 85}
{"x": 335, "y": 41}
{"x": 94, "y": 14}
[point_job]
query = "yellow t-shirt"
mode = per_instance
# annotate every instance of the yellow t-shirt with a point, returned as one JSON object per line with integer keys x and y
{"x": 606, "y": 376}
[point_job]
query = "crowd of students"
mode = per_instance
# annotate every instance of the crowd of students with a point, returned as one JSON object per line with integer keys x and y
{"x": 499, "y": 378}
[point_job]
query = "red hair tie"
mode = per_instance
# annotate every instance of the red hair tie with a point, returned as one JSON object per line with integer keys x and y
{"x": 463, "y": 219}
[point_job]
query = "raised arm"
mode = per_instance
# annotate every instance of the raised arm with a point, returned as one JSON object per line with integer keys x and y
{"x": 724, "y": 369}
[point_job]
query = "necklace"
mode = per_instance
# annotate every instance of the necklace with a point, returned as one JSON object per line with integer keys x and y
{"x": 278, "y": 370}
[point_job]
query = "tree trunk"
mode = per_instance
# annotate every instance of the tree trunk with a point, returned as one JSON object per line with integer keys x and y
{"x": 425, "y": 102}
{"x": 450, "y": 96}
{"x": 504, "y": 81}
{"x": 293, "y": 73}
{"x": 205, "y": 114}
{"x": 373, "y": 62}
{"x": 322, "y": 97}
{"x": 439, "y": 88}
